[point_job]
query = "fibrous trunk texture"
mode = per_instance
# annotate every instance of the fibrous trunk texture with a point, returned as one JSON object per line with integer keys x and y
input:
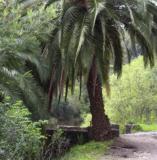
{"x": 100, "y": 129}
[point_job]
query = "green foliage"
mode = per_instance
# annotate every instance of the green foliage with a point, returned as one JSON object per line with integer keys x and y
{"x": 86, "y": 120}
{"x": 69, "y": 112}
{"x": 66, "y": 113}
{"x": 20, "y": 138}
{"x": 137, "y": 128}
{"x": 22, "y": 30}
{"x": 133, "y": 97}
{"x": 98, "y": 29}
{"x": 148, "y": 127}
{"x": 89, "y": 151}
{"x": 56, "y": 147}
{"x": 145, "y": 128}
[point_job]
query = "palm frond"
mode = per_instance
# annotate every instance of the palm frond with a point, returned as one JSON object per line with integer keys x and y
{"x": 101, "y": 29}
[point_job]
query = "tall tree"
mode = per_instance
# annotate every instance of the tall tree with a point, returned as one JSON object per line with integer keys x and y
{"x": 91, "y": 35}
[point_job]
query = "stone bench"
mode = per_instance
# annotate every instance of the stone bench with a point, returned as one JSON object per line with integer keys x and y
{"x": 78, "y": 135}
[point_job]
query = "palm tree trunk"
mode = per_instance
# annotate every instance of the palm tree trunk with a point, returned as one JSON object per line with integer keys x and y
{"x": 100, "y": 129}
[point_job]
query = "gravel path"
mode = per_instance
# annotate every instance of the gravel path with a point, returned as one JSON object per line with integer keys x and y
{"x": 138, "y": 146}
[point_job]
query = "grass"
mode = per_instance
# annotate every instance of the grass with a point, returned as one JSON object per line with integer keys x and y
{"x": 147, "y": 128}
{"x": 87, "y": 119}
{"x": 88, "y": 151}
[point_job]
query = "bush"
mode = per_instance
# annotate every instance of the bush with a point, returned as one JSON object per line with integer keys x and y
{"x": 20, "y": 138}
{"x": 137, "y": 128}
{"x": 67, "y": 113}
{"x": 133, "y": 97}
{"x": 56, "y": 146}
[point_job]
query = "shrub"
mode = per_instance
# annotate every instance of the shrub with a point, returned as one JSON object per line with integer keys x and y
{"x": 67, "y": 113}
{"x": 56, "y": 146}
{"x": 20, "y": 138}
{"x": 137, "y": 128}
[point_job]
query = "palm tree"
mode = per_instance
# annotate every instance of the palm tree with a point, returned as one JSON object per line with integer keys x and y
{"x": 19, "y": 47}
{"x": 90, "y": 35}
{"x": 152, "y": 8}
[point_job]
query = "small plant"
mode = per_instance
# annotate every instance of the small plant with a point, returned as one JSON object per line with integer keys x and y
{"x": 56, "y": 147}
{"x": 20, "y": 138}
{"x": 137, "y": 128}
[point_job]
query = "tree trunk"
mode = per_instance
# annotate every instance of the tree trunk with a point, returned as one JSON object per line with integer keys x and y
{"x": 100, "y": 129}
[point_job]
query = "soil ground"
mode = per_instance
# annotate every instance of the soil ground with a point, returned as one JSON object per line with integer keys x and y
{"x": 138, "y": 146}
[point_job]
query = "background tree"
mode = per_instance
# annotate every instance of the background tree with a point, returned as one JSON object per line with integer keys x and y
{"x": 134, "y": 96}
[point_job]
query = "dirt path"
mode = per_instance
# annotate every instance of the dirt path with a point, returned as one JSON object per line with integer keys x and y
{"x": 139, "y": 146}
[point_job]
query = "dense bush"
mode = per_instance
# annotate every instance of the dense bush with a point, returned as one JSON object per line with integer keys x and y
{"x": 67, "y": 114}
{"x": 70, "y": 112}
{"x": 56, "y": 146}
{"x": 20, "y": 138}
{"x": 133, "y": 96}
